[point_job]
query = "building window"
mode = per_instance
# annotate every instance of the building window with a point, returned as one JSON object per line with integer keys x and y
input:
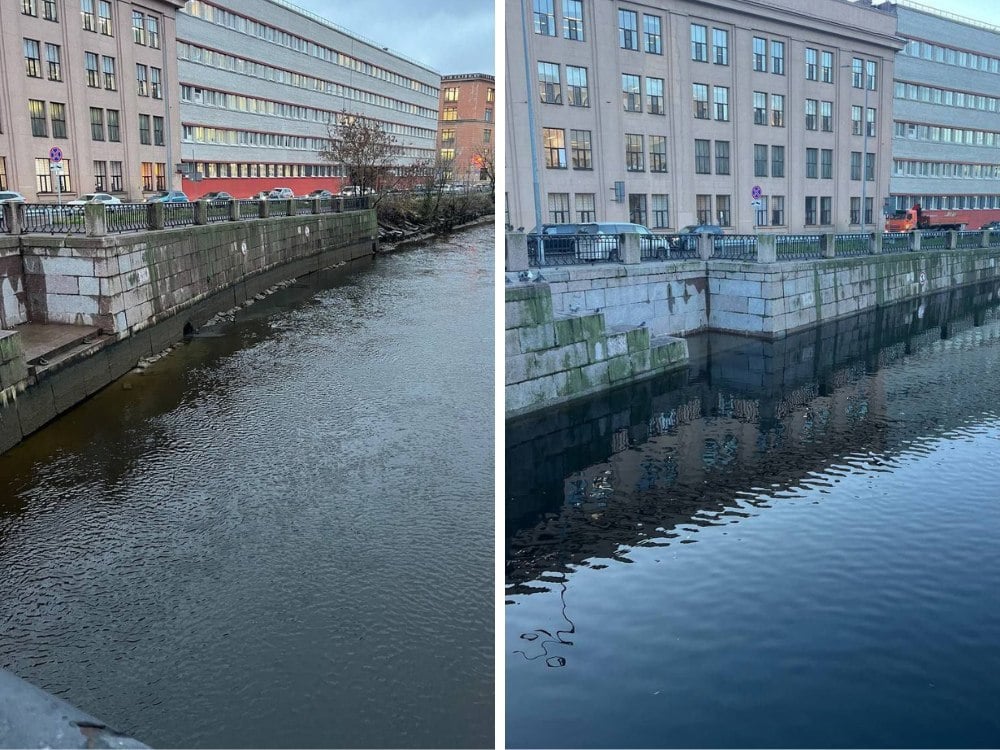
{"x": 628, "y": 26}
{"x": 699, "y": 92}
{"x": 811, "y": 105}
{"x": 777, "y": 210}
{"x": 703, "y": 207}
{"x": 631, "y": 96}
{"x": 723, "y": 210}
{"x": 826, "y": 211}
{"x": 811, "y": 72}
{"x": 141, "y": 72}
{"x": 90, "y": 65}
{"x": 857, "y": 73}
{"x": 138, "y": 27}
{"x": 872, "y": 81}
{"x": 153, "y": 31}
{"x": 810, "y": 211}
{"x": 702, "y": 157}
{"x": 759, "y": 160}
{"x": 661, "y": 211}
{"x": 39, "y": 124}
{"x": 585, "y": 207}
{"x": 722, "y": 157}
{"x": 699, "y": 42}
{"x": 657, "y": 153}
{"x": 580, "y": 144}
{"x": 573, "y": 20}
{"x": 855, "y": 120}
{"x": 812, "y": 162}
{"x": 637, "y": 208}
{"x": 110, "y": 82}
{"x": 487, "y": 115}
{"x": 778, "y": 110}
{"x": 654, "y": 95}
{"x": 104, "y": 16}
{"x": 826, "y": 116}
{"x": 855, "y": 210}
{"x": 549, "y": 87}
{"x": 449, "y": 113}
{"x": 760, "y": 216}
{"x": 158, "y": 131}
{"x": 147, "y": 176}
{"x": 144, "y": 130}
{"x": 634, "y": 153}
{"x": 777, "y": 161}
{"x": 3, "y": 173}
{"x": 778, "y": 58}
{"x": 29, "y": 8}
{"x": 161, "y": 175}
{"x": 652, "y": 36}
{"x": 100, "y": 176}
{"x": 721, "y": 94}
{"x": 53, "y": 56}
{"x": 870, "y": 121}
{"x": 826, "y": 164}
{"x": 154, "y": 80}
{"x": 545, "y": 18}
{"x": 96, "y": 124}
{"x": 114, "y": 126}
{"x": 576, "y": 84}
{"x": 869, "y": 167}
{"x": 759, "y": 108}
{"x": 448, "y": 138}
{"x": 88, "y": 15}
{"x": 555, "y": 147}
{"x": 116, "y": 177}
{"x": 826, "y": 67}
{"x": 43, "y": 176}
{"x": 32, "y": 59}
{"x": 49, "y": 10}
{"x": 869, "y": 208}
{"x": 558, "y": 208}
{"x": 720, "y": 46}
{"x": 856, "y": 165}
{"x": 490, "y": 95}
{"x": 57, "y": 111}
{"x": 450, "y": 93}
{"x": 760, "y": 54}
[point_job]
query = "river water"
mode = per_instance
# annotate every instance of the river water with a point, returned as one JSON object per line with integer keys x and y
{"x": 281, "y": 535}
{"x": 789, "y": 544}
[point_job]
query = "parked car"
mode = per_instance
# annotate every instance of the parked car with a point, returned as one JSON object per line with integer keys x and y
{"x": 320, "y": 193}
{"x": 11, "y": 196}
{"x": 216, "y": 196}
{"x": 169, "y": 196}
{"x": 601, "y": 247}
{"x": 280, "y": 194}
{"x": 687, "y": 237}
{"x": 992, "y": 225}
{"x": 556, "y": 238}
{"x": 94, "y": 198}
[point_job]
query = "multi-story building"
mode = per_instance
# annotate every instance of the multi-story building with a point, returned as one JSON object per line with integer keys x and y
{"x": 946, "y": 130}
{"x": 260, "y": 80}
{"x": 466, "y": 127}
{"x": 669, "y": 114}
{"x": 94, "y": 79}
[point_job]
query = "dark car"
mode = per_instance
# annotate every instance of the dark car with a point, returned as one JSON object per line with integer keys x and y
{"x": 687, "y": 237}
{"x": 993, "y": 225}
{"x": 320, "y": 193}
{"x": 216, "y": 196}
{"x": 168, "y": 196}
{"x": 558, "y": 239}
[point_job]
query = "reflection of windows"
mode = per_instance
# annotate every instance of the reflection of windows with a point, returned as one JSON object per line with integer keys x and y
{"x": 628, "y": 25}
{"x": 654, "y": 95}
{"x": 580, "y": 144}
{"x": 811, "y": 106}
{"x": 760, "y": 54}
{"x": 29, "y": 7}
{"x": 631, "y": 95}
{"x": 720, "y": 46}
{"x": 759, "y": 108}
{"x": 699, "y": 43}
{"x": 653, "y": 39}
{"x": 57, "y": 111}
{"x": 576, "y": 84}
{"x": 573, "y": 20}
{"x": 549, "y": 88}
{"x": 699, "y": 93}
{"x": 554, "y": 140}
{"x": 559, "y": 208}
{"x": 138, "y": 27}
{"x": 49, "y": 10}
{"x": 87, "y": 15}
{"x": 104, "y": 15}
{"x": 114, "y": 134}
{"x": 657, "y": 153}
{"x": 661, "y": 211}
{"x": 153, "y": 31}
{"x": 90, "y": 65}
{"x": 100, "y": 176}
{"x": 39, "y": 125}
{"x": 32, "y": 59}
{"x": 811, "y": 64}
{"x": 545, "y": 18}
{"x": 778, "y": 110}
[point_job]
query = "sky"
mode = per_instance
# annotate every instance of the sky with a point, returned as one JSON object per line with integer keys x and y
{"x": 987, "y": 11}
{"x": 450, "y": 36}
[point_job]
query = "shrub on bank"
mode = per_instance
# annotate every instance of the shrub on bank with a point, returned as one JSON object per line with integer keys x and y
{"x": 406, "y": 213}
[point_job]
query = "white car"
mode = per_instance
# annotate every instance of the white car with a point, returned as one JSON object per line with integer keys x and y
{"x": 11, "y": 196}
{"x": 280, "y": 194}
{"x": 94, "y": 198}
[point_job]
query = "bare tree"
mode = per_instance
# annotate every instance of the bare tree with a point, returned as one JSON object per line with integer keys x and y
{"x": 368, "y": 154}
{"x": 484, "y": 160}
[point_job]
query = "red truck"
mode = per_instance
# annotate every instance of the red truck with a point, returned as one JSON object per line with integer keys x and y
{"x": 910, "y": 219}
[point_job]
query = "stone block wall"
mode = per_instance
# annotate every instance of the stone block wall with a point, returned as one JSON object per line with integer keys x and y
{"x": 553, "y": 359}
{"x": 13, "y": 369}
{"x": 13, "y": 302}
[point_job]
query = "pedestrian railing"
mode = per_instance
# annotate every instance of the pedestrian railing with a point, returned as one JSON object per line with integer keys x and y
{"x": 798, "y": 246}
{"x": 966, "y": 240}
{"x": 178, "y": 214}
{"x": 934, "y": 240}
{"x": 248, "y": 209}
{"x": 655, "y": 247}
{"x": 735, "y": 246}
{"x": 303, "y": 206}
{"x": 126, "y": 217}
{"x": 563, "y": 250}
{"x": 44, "y": 218}
{"x": 217, "y": 211}
{"x": 897, "y": 242}
{"x": 853, "y": 245}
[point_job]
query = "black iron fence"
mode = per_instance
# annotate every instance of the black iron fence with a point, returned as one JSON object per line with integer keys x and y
{"x": 798, "y": 246}
{"x": 564, "y": 250}
{"x": 934, "y": 240}
{"x": 127, "y": 217}
{"x": 217, "y": 211}
{"x": 852, "y": 245}
{"x": 735, "y": 246}
{"x": 49, "y": 219}
{"x": 896, "y": 242}
{"x": 966, "y": 240}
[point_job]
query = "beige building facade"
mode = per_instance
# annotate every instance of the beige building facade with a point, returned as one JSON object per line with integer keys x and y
{"x": 669, "y": 114}
{"x": 96, "y": 80}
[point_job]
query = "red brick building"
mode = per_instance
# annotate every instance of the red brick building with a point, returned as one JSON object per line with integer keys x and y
{"x": 466, "y": 130}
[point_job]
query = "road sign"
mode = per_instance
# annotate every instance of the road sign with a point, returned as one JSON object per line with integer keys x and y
{"x": 55, "y": 154}
{"x": 55, "y": 168}
{"x": 756, "y": 192}
{"x": 756, "y": 203}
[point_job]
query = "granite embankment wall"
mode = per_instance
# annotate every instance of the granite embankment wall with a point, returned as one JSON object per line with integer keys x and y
{"x": 554, "y": 359}
{"x": 143, "y": 290}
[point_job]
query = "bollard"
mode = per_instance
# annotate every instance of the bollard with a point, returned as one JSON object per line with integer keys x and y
{"x": 157, "y": 215}
{"x": 263, "y": 208}
{"x": 201, "y": 212}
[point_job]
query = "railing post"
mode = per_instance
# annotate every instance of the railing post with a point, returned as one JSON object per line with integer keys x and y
{"x": 631, "y": 253}
{"x": 290, "y": 207}
{"x": 12, "y": 215}
{"x": 157, "y": 215}
{"x": 828, "y": 245}
{"x": 234, "y": 209}
{"x": 767, "y": 248}
{"x": 95, "y": 220}
{"x": 201, "y": 212}
{"x": 952, "y": 239}
{"x": 338, "y": 205}
{"x": 517, "y": 251}
{"x": 915, "y": 241}
{"x": 264, "y": 208}
{"x": 875, "y": 243}
{"x": 984, "y": 239}
{"x": 706, "y": 245}
{"x": 315, "y": 206}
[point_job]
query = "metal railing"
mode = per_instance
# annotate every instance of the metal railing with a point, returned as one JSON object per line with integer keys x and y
{"x": 126, "y": 217}
{"x": 572, "y": 250}
{"x": 3, "y": 222}
{"x": 735, "y": 247}
{"x": 994, "y": 240}
{"x": 798, "y": 246}
{"x": 655, "y": 247}
{"x": 853, "y": 245}
{"x": 217, "y": 211}
{"x": 249, "y": 209}
{"x": 966, "y": 240}
{"x": 934, "y": 240}
{"x": 178, "y": 214}
{"x": 303, "y": 206}
{"x": 896, "y": 242}
{"x": 45, "y": 218}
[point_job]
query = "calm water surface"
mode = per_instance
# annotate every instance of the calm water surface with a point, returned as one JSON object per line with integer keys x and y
{"x": 281, "y": 535}
{"x": 787, "y": 545}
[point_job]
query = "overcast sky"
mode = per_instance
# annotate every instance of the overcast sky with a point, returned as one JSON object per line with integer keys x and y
{"x": 450, "y": 36}
{"x": 987, "y": 11}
